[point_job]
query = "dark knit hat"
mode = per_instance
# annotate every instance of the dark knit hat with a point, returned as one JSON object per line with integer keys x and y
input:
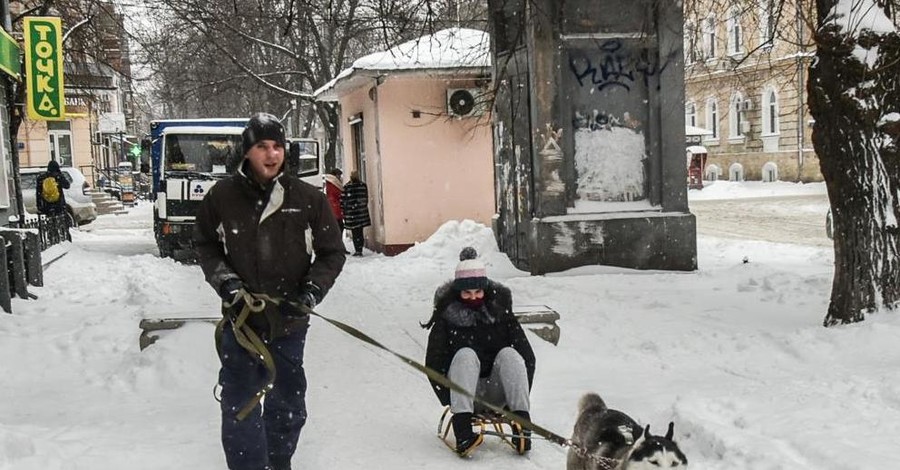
{"x": 470, "y": 273}
{"x": 263, "y": 126}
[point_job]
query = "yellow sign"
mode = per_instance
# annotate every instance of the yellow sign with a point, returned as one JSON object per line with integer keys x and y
{"x": 44, "y": 68}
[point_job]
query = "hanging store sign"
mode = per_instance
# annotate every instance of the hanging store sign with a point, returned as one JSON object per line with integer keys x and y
{"x": 9, "y": 55}
{"x": 44, "y": 68}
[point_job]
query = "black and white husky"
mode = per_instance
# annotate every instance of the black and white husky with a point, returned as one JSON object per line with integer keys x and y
{"x": 607, "y": 439}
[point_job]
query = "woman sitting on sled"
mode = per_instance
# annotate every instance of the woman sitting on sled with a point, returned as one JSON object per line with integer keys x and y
{"x": 477, "y": 343}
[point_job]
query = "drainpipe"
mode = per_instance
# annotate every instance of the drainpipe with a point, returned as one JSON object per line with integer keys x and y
{"x": 800, "y": 92}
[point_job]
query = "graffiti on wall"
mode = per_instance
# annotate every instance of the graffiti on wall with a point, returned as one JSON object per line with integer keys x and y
{"x": 615, "y": 66}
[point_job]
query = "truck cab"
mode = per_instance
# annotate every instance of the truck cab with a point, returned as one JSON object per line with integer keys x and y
{"x": 188, "y": 156}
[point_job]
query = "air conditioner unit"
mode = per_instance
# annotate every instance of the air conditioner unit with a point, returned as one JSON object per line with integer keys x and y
{"x": 465, "y": 102}
{"x": 746, "y": 105}
{"x": 745, "y": 127}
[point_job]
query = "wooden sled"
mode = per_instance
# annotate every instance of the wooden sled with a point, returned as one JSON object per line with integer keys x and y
{"x": 488, "y": 424}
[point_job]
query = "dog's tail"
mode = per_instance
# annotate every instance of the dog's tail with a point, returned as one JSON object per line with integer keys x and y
{"x": 591, "y": 401}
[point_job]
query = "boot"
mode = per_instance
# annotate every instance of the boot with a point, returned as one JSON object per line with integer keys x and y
{"x": 522, "y": 437}
{"x": 466, "y": 440}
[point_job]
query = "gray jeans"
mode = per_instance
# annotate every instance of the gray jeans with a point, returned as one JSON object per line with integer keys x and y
{"x": 506, "y": 386}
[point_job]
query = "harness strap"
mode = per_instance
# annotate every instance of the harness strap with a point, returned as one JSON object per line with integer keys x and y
{"x": 255, "y": 303}
{"x": 441, "y": 379}
{"x": 249, "y": 340}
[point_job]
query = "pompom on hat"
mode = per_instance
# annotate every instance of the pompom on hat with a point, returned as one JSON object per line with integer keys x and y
{"x": 262, "y": 126}
{"x": 470, "y": 272}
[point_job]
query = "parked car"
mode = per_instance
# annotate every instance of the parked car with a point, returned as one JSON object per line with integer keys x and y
{"x": 78, "y": 199}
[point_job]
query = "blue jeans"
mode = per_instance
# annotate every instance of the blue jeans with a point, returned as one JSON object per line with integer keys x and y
{"x": 269, "y": 434}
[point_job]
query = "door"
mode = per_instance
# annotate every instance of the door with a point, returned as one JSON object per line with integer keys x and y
{"x": 60, "y": 142}
{"x": 359, "y": 146}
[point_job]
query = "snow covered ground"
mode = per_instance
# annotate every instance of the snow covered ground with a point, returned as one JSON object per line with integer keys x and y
{"x": 734, "y": 354}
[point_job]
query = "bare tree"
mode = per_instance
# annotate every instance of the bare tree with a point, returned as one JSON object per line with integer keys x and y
{"x": 238, "y": 56}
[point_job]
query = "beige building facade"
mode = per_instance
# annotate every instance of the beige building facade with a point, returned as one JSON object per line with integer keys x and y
{"x": 745, "y": 82}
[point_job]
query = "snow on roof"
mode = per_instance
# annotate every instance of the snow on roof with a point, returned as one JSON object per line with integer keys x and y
{"x": 451, "y": 48}
{"x": 695, "y": 149}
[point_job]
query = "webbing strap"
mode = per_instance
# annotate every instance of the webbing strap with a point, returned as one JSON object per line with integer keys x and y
{"x": 440, "y": 378}
{"x": 250, "y": 341}
{"x": 429, "y": 372}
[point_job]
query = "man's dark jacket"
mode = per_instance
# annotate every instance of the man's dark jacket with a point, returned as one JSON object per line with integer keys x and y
{"x": 267, "y": 236}
{"x": 486, "y": 339}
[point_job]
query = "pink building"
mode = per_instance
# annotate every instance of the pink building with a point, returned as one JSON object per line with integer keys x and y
{"x": 415, "y": 122}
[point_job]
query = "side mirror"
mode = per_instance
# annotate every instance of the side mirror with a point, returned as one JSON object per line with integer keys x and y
{"x": 303, "y": 158}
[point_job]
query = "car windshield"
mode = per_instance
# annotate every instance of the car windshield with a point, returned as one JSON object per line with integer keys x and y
{"x": 201, "y": 153}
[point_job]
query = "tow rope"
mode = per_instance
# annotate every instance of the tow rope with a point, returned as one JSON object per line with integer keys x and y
{"x": 255, "y": 303}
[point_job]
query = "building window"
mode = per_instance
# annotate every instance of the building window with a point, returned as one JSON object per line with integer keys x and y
{"x": 766, "y": 23}
{"x": 770, "y": 172}
{"x": 712, "y": 118}
{"x": 692, "y": 51}
{"x": 713, "y": 172}
{"x": 735, "y": 32}
{"x": 736, "y": 119}
{"x": 770, "y": 112}
{"x": 690, "y": 114}
{"x": 736, "y": 172}
{"x": 709, "y": 37}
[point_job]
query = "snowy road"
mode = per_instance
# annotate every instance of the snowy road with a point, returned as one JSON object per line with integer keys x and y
{"x": 786, "y": 219}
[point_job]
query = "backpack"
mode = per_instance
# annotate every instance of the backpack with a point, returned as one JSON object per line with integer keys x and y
{"x": 50, "y": 189}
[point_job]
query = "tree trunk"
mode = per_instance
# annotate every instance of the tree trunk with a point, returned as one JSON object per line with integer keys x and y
{"x": 861, "y": 184}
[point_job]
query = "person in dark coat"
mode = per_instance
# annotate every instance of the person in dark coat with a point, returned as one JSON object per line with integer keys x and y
{"x": 355, "y": 204}
{"x": 334, "y": 189}
{"x": 477, "y": 343}
{"x": 264, "y": 234}
{"x": 57, "y": 206}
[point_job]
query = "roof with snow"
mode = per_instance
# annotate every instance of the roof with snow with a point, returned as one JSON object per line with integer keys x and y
{"x": 450, "y": 49}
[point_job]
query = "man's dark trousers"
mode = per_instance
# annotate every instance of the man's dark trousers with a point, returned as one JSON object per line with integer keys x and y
{"x": 269, "y": 434}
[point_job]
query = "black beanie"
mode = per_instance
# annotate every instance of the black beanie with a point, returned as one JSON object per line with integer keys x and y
{"x": 262, "y": 126}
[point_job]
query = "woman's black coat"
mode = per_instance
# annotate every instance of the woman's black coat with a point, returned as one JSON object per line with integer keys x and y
{"x": 486, "y": 339}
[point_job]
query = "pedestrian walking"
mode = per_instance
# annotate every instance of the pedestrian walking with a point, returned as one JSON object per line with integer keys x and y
{"x": 476, "y": 342}
{"x": 51, "y": 201}
{"x": 270, "y": 246}
{"x": 355, "y": 205}
{"x": 334, "y": 188}
{"x": 50, "y": 197}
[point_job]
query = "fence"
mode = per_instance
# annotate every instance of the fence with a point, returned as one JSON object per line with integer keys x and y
{"x": 23, "y": 243}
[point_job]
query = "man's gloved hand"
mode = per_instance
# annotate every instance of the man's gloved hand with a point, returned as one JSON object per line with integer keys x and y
{"x": 310, "y": 296}
{"x": 231, "y": 291}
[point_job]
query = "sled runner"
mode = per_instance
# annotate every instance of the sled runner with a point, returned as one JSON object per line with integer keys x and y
{"x": 488, "y": 424}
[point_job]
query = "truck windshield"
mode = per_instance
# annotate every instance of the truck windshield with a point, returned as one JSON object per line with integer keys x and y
{"x": 204, "y": 153}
